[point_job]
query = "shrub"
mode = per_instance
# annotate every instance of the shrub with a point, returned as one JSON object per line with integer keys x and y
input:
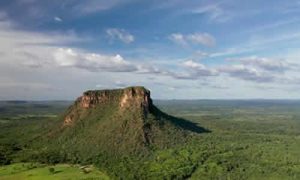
{"x": 51, "y": 170}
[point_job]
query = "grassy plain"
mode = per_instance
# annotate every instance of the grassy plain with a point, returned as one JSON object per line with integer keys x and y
{"x": 34, "y": 171}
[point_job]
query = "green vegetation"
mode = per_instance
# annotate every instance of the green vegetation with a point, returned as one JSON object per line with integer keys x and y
{"x": 246, "y": 140}
{"x": 34, "y": 171}
{"x": 106, "y": 128}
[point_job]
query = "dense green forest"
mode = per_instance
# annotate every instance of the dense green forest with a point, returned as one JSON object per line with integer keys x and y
{"x": 244, "y": 140}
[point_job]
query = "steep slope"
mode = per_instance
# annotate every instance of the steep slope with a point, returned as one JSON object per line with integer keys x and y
{"x": 119, "y": 121}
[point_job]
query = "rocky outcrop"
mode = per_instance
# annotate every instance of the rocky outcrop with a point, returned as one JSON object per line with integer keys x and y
{"x": 127, "y": 98}
{"x": 136, "y": 97}
{"x": 91, "y": 99}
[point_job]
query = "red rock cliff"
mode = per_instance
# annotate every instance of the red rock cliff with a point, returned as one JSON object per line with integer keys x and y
{"x": 127, "y": 98}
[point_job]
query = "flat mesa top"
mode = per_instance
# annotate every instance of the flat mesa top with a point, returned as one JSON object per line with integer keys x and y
{"x": 131, "y": 88}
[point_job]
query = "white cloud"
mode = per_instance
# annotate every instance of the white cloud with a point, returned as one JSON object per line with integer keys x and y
{"x": 30, "y": 48}
{"x": 13, "y": 39}
{"x": 259, "y": 69}
{"x": 214, "y": 12}
{"x": 65, "y": 57}
{"x": 247, "y": 73}
{"x": 150, "y": 69}
{"x": 272, "y": 26}
{"x": 201, "y": 54}
{"x": 120, "y": 34}
{"x": 48, "y": 50}
{"x": 91, "y": 61}
{"x": 28, "y": 57}
{"x": 267, "y": 64}
{"x": 231, "y": 51}
{"x": 192, "y": 64}
{"x": 93, "y": 6}
{"x": 195, "y": 38}
{"x": 199, "y": 70}
{"x": 178, "y": 38}
{"x": 171, "y": 88}
{"x": 268, "y": 41}
{"x": 202, "y": 38}
{"x": 57, "y": 19}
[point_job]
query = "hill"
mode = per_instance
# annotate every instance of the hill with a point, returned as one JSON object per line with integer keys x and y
{"x": 118, "y": 122}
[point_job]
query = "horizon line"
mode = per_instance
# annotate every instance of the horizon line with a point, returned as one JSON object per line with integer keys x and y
{"x": 178, "y": 99}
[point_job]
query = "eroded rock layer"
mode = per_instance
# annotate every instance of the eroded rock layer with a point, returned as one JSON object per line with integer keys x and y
{"x": 131, "y": 97}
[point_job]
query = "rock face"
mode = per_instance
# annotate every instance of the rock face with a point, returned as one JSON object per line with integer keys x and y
{"x": 138, "y": 97}
{"x": 128, "y": 98}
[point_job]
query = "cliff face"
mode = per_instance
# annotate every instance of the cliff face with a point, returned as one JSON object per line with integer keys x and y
{"x": 136, "y": 97}
{"x": 126, "y": 99}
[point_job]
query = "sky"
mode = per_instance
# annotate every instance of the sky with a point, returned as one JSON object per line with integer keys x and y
{"x": 179, "y": 49}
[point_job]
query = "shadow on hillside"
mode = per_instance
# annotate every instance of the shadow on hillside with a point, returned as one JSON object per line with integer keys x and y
{"x": 180, "y": 122}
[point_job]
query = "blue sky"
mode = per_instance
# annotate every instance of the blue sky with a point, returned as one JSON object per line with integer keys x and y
{"x": 178, "y": 49}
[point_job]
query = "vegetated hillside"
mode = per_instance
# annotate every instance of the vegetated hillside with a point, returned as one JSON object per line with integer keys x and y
{"x": 248, "y": 140}
{"x": 120, "y": 121}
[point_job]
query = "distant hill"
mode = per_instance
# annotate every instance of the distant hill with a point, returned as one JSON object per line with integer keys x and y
{"x": 118, "y": 121}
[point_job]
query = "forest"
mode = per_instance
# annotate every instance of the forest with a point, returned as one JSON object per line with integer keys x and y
{"x": 253, "y": 139}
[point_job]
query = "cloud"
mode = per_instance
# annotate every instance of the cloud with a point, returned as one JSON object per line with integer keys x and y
{"x": 93, "y": 6}
{"x": 49, "y": 50}
{"x": 31, "y": 12}
{"x": 204, "y": 39}
{"x": 28, "y": 86}
{"x": 183, "y": 76}
{"x": 201, "y": 54}
{"x": 199, "y": 69}
{"x": 188, "y": 70}
{"x": 273, "y": 25}
{"x": 178, "y": 38}
{"x": 121, "y": 84}
{"x": 57, "y": 19}
{"x": 31, "y": 49}
{"x": 24, "y": 51}
{"x": 91, "y": 61}
{"x": 251, "y": 69}
{"x": 272, "y": 38}
{"x": 13, "y": 39}
{"x": 247, "y": 73}
{"x": 231, "y": 51}
{"x": 262, "y": 43}
{"x": 36, "y": 50}
{"x": 260, "y": 69}
{"x": 213, "y": 85}
{"x": 120, "y": 34}
{"x": 272, "y": 65}
{"x": 214, "y": 12}
{"x": 150, "y": 69}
